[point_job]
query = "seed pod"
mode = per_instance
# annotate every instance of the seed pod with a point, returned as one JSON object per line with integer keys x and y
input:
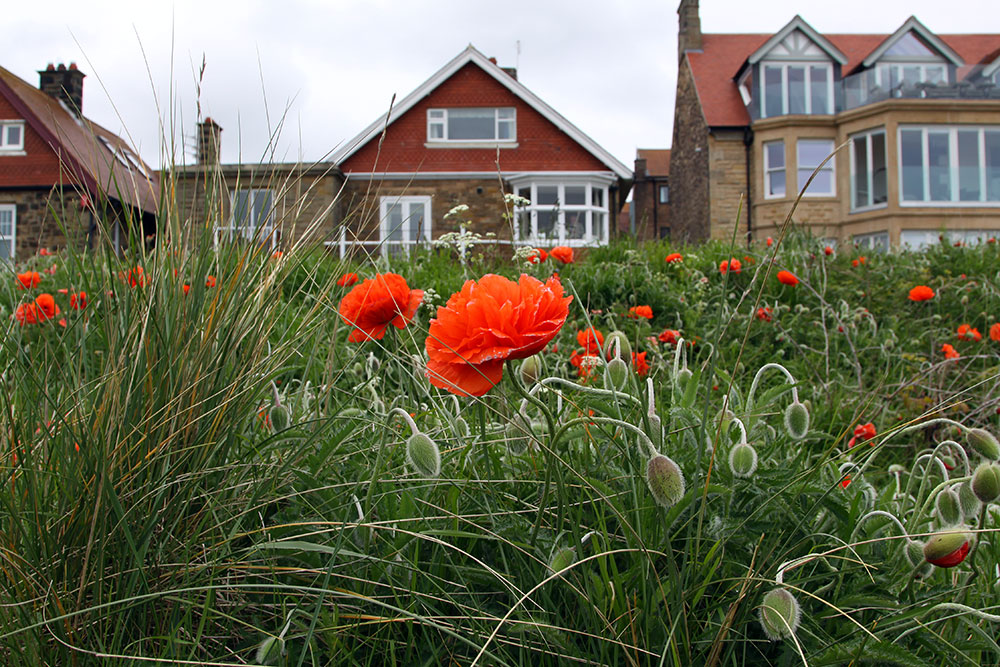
{"x": 279, "y": 417}
{"x": 562, "y": 559}
{"x": 984, "y": 443}
{"x": 743, "y": 460}
{"x": 516, "y": 433}
{"x": 780, "y": 614}
{"x": 797, "y": 420}
{"x": 915, "y": 557}
{"x": 948, "y": 507}
{"x": 615, "y": 374}
{"x": 531, "y": 369}
{"x": 423, "y": 455}
{"x": 665, "y": 480}
{"x": 986, "y": 482}
{"x": 947, "y": 549}
{"x": 624, "y": 348}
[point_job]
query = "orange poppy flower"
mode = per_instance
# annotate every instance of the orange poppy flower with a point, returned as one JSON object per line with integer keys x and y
{"x": 210, "y": 281}
{"x": 645, "y": 312}
{"x": 186, "y": 288}
{"x": 827, "y": 251}
{"x": 764, "y": 314}
{"x": 732, "y": 264}
{"x": 674, "y": 257}
{"x": 538, "y": 256}
{"x": 950, "y": 352}
{"x": 563, "y": 253}
{"x": 347, "y": 280}
{"x": 584, "y": 363}
{"x": 921, "y": 293}
{"x": 787, "y": 278}
{"x": 376, "y": 303}
{"x": 640, "y": 364}
{"x": 25, "y": 314}
{"x": 28, "y": 279}
{"x": 770, "y": 241}
{"x": 995, "y": 332}
{"x": 591, "y": 339}
{"x": 78, "y": 300}
{"x": 487, "y": 322}
{"x": 669, "y": 336}
{"x": 135, "y": 277}
{"x": 862, "y": 433}
{"x": 965, "y": 332}
{"x": 43, "y": 308}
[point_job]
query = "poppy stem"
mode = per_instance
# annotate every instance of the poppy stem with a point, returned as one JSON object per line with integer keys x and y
{"x": 406, "y": 417}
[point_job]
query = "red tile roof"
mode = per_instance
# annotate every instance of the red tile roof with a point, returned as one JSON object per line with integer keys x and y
{"x": 722, "y": 55}
{"x": 79, "y": 143}
{"x": 657, "y": 160}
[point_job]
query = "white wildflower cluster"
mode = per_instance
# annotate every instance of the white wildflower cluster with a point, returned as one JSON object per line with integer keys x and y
{"x": 457, "y": 240}
{"x": 431, "y": 297}
{"x": 457, "y": 211}
{"x": 524, "y": 254}
{"x": 515, "y": 200}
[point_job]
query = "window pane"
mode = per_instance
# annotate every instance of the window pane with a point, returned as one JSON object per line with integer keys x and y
{"x": 992, "y": 165}
{"x": 813, "y": 151}
{"x": 664, "y": 194}
{"x": 505, "y": 128}
{"x": 862, "y": 197}
{"x": 241, "y": 208}
{"x": 471, "y": 124}
{"x": 418, "y": 225}
{"x": 576, "y": 224}
{"x": 6, "y": 251}
{"x": 912, "y": 156}
{"x": 776, "y": 181}
{"x": 599, "y": 227}
{"x": 880, "y": 193}
{"x": 394, "y": 222}
{"x": 548, "y": 195}
{"x": 796, "y": 89}
{"x": 524, "y": 193}
{"x": 435, "y": 113}
{"x": 772, "y": 91}
{"x": 576, "y": 195}
{"x": 505, "y": 112}
{"x": 546, "y": 223}
{"x": 934, "y": 73}
{"x": 821, "y": 184}
{"x": 818, "y": 90}
{"x": 775, "y": 154}
{"x": 968, "y": 165}
{"x": 937, "y": 162}
{"x": 436, "y": 131}
{"x": 261, "y": 208}
{"x": 597, "y": 197}
{"x": 911, "y": 75}
{"x": 524, "y": 225}
{"x": 13, "y": 135}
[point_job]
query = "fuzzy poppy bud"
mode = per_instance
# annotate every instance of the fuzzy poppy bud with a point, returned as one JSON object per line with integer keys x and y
{"x": 516, "y": 434}
{"x": 562, "y": 559}
{"x": 984, "y": 443}
{"x": 797, "y": 420}
{"x": 279, "y": 417}
{"x": 947, "y": 549}
{"x": 683, "y": 376}
{"x": 665, "y": 480}
{"x": 948, "y": 507}
{"x": 531, "y": 369}
{"x": 970, "y": 503}
{"x": 915, "y": 557}
{"x": 351, "y": 413}
{"x": 986, "y": 482}
{"x": 743, "y": 460}
{"x": 623, "y": 349}
{"x": 615, "y": 374}
{"x": 423, "y": 455}
{"x": 780, "y": 614}
{"x": 462, "y": 427}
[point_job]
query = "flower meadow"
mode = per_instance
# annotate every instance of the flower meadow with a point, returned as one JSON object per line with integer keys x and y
{"x": 776, "y": 454}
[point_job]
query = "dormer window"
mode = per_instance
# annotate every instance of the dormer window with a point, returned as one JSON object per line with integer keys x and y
{"x": 11, "y": 136}
{"x": 796, "y": 88}
{"x": 489, "y": 124}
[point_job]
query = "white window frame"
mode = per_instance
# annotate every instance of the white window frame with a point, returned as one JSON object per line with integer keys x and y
{"x": 954, "y": 201}
{"x": 869, "y": 167}
{"x": 438, "y": 118}
{"x": 663, "y": 194}
{"x": 11, "y": 239}
{"x": 385, "y": 203}
{"x": 249, "y": 232}
{"x": 875, "y": 241}
{"x": 594, "y": 234}
{"x": 830, "y": 166}
{"x": 11, "y": 148}
{"x": 784, "y": 65}
{"x": 768, "y": 170}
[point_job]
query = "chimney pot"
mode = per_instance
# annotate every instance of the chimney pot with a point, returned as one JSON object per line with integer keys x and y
{"x": 493, "y": 60}
{"x": 62, "y": 67}
{"x": 62, "y": 83}
{"x": 209, "y": 142}
{"x": 50, "y": 67}
{"x": 72, "y": 66}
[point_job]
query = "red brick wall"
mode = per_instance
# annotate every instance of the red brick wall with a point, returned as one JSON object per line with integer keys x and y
{"x": 541, "y": 145}
{"x": 40, "y": 167}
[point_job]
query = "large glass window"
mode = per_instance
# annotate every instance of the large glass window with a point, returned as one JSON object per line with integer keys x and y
{"x": 472, "y": 124}
{"x": 573, "y": 214}
{"x": 797, "y": 88}
{"x": 943, "y": 165}
{"x": 12, "y": 135}
{"x": 251, "y": 218}
{"x": 774, "y": 169}
{"x": 811, "y": 153}
{"x": 868, "y": 170}
{"x": 405, "y": 222}
{"x": 8, "y": 230}
{"x": 894, "y": 75}
{"x": 876, "y": 242}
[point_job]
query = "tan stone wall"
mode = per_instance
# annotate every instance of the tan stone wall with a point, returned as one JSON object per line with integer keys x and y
{"x": 728, "y": 178}
{"x": 46, "y": 218}
{"x": 689, "y": 164}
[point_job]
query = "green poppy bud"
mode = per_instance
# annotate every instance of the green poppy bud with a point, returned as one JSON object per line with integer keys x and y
{"x": 797, "y": 420}
{"x": 947, "y": 549}
{"x": 986, "y": 482}
{"x": 351, "y": 413}
{"x": 531, "y": 369}
{"x": 624, "y": 348}
{"x": 970, "y": 503}
{"x": 615, "y": 374}
{"x": 516, "y": 433}
{"x": 462, "y": 427}
{"x": 562, "y": 559}
{"x": 683, "y": 376}
{"x": 948, "y": 507}
{"x": 780, "y": 614}
{"x": 665, "y": 480}
{"x": 743, "y": 460}
{"x": 279, "y": 417}
{"x": 915, "y": 557}
{"x": 656, "y": 431}
{"x": 984, "y": 443}
{"x": 423, "y": 455}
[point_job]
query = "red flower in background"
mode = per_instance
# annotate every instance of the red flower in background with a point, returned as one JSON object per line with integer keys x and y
{"x": 538, "y": 256}
{"x": 28, "y": 279}
{"x": 591, "y": 340}
{"x": 563, "y": 253}
{"x": 347, "y": 280}
{"x": 674, "y": 257}
{"x": 787, "y": 278}
{"x": 862, "y": 433}
{"x": 828, "y": 251}
{"x": 764, "y": 314}
{"x": 78, "y": 300}
{"x": 43, "y": 308}
{"x": 488, "y": 322}
{"x": 995, "y": 332}
{"x": 640, "y": 364}
{"x": 669, "y": 336}
{"x": 950, "y": 352}
{"x": 859, "y": 261}
{"x": 136, "y": 278}
{"x": 584, "y": 363}
{"x": 210, "y": 281}
{"x": 376, "y": 303}
{"x": 635, "y": 312}
{"x": 728, "y": 265}
{"x": 921, "y": 293}
{"x": 965, "y": 332}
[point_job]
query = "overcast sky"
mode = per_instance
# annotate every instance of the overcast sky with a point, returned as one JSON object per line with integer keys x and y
{"x": 325, "y": 69}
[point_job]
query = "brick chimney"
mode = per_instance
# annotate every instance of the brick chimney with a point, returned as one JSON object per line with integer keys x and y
{"x": 688, "y": 27}
{"x": 63, "y": 83}
{"x": 209, "y": 142}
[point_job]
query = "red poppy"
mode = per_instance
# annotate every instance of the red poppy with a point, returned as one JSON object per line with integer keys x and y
{"x": 277, "y": 254}
{"x": 591, "y": 339}
{"x": 376, "y": 303}
{"x": 25, "y": 314}
{"x": 45, "y": 252}
{"x": 43, "y": 308}
{"x": 210, "y": 281}
{"x": 770, "y": 241}
{"x": 640, "y": 364}
{"x": 862, "y": 433}
{"x": 487, "y": 322}
{"x": 728, "y": 265}
{"x": 828, "y": 251}
{"x": 674, "y": 257}
{"x": 764, "y": 314}
{"x": 186, "y": 288}
{"x": 669, "y": 336}
{"x": 28, "y": 279}
{"x": 645, "y": 312}
{"x": 787, "y": 278}
{"x": 51, "y": 270}
{"x": 921, "y": 293}
{"x": 538, "y": 256}
{"x": 965, "y": 332}
{"x": 78, "y": 300}
{"x": 135, "y": 277}
{"x": 563, "y": 253}
{"x": 846, "y": 482}
{"x": 950, "y": 352}
{"x": 347, "y": 279}
{"x": 995, "y": 332}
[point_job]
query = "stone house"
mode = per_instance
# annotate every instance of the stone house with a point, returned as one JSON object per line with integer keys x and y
{"x": 468, "y": 135}
{"x": 61, "y": 173}
{"x": 650, "y": 207}
{"x": 914, "y": 117}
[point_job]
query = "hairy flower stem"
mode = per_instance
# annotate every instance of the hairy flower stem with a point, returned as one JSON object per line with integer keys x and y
{"x": 756, "y": 381}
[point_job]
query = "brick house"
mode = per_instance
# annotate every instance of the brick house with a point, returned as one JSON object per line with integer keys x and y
{"x": 276, "y": 204}
{"x": 650, "y": 207}
{"x": 917, "y": 114}
{"x": 60, "y": 172}
{"x": 468, "y": 135}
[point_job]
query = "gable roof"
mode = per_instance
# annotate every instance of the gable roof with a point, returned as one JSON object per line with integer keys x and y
{"x": 798, "y": 23}
{"x": 657, "y": 160}
{"x": 86, "y": 150}
{"x": 471, "y": 55}
{"x": 723, "y": 56}
{"x": 912, "y": 24}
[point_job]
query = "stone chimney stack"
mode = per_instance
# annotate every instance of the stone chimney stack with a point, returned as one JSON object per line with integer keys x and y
{"x": 689, "y": 27}
{"x": 63, "y": 83}
{"x": 209, "y": 142}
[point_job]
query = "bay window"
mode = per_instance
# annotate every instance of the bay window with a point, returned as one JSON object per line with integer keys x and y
{"x": 796, "y": 88}
{"x": 774, "y": 169}
{"x": 946, "y": 165}
{"x": 868, "y": 170}
{"x": 561, "y": 213}
{"x": 472, "y": 124}
{"x": 811, "y": 153}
